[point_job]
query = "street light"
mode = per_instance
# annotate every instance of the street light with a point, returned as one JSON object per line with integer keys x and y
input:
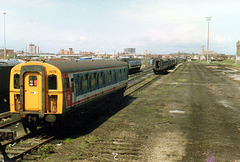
{"x": 208, "y": 19}
{"x": 4, "y": 13}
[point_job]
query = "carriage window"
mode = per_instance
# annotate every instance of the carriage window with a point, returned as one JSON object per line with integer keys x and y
{"x": 109, "y": 76}
{"x": 101, "y": 77}
{"x": 72, "y": 85}
{"x": 78, "y": 83}
{"x": 85, "y": 82}
{"x": 66, "y": 83}
{"x": 52, "y": 82}
{"x": 114, "y": 75}
{"x": 124, "y": 74}
{"x": 32, "y": 80}
{"x": 105, "y": 77}
{"x": 120, "y": 74}
{"x": 93, "y": 80}
{"x": 16, "y": 81}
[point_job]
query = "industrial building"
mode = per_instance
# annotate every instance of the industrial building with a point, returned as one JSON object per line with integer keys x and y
{"x": 130, "y": 50}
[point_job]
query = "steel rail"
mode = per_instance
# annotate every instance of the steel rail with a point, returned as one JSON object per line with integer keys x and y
{"x": 135, "y": 76}
{"x": 157, "y": 76}
{"x": 136, "y": 83}
{"x": 8, "y": 123}
{"x": 5, "y": 114}
{"x": 20, "y": 155}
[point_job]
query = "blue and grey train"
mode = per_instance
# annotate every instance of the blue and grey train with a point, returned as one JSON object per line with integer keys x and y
{"x": 160, "y": 65}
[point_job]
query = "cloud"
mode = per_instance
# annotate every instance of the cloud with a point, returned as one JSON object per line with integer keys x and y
{"x": 32, "y": 3}
{"x": 75, "y": 38}
{"x": 161, "y": 26}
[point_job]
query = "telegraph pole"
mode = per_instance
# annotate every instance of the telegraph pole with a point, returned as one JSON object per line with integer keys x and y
{"x": 208, "y": 19}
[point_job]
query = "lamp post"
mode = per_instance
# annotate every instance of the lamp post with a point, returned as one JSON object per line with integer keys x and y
{"x": 208, "y": 19}
{"x": 4, "y": 13}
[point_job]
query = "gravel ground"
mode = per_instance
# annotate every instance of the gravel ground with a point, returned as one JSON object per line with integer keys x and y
{"x": 191, "y": 114}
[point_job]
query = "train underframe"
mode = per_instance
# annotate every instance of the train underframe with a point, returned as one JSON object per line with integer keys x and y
{"x": 31, "y": 121}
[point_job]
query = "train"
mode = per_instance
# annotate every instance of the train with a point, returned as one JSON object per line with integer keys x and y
{"x": 5, "y": 68}
{"x": 85, "y": 58}
{"x": 134, "y": 64}
{"x": 43, "y": 92}
{"x": 160, "y": 65}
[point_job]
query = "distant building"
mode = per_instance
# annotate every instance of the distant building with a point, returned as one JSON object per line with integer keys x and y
{"x": 61, "y": 51}
{"x": 86, "y": 53}
{"x": 130, "y": 50}
{"x": 20, "y": 52}
{"x": 66, "y": 52}
{"x": 8, "y": 51}
{"x": 71, "y": 52}
{"x": 33, "y": 49}
{"x": 206, "y": 52}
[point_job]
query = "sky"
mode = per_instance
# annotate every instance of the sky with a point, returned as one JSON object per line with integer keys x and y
{"x": 159, "y": 26}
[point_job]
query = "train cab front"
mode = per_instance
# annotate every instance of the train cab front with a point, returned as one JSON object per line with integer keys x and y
{"x": 33, "y": 94}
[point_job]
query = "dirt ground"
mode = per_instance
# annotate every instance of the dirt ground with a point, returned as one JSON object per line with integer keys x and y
{"x": 191, "y": 114}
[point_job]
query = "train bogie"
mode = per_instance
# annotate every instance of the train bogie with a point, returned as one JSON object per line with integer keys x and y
{"x": 42, "y": 92}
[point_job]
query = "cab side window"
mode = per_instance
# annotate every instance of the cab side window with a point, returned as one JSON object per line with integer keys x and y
{"x": 52, "y": 82}
{"x": 16, "y": 81}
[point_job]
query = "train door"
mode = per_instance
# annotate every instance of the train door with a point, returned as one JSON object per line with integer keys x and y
{"x": 157, "y": 64}
{"x": 73, "y": 88}
{"x": 67, "y": 90}
{"x": 32, "y": 91}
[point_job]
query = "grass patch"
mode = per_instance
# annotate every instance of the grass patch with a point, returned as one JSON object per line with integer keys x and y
{"x": 182, "y": 80}
{"x": 45, "y": 150}
{"x": 73, "y": 157}
{"x": 150, "y": 78}
{"x": 227, "y": 62}
{"x": 84, "y": 145}
{"x": 150, "y": 109}
{"x": 122, "y": 115}
{"x": 69, "y": 140}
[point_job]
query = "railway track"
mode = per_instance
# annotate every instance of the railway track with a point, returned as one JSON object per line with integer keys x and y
{"x": 16, "y": 149}
{"x": 5, "y": 115}
{"x": 122, "y": 142}
{"x": 140, "y": 74}
{"x": 6, "y": 120}
{"x": 140, "y": 84}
